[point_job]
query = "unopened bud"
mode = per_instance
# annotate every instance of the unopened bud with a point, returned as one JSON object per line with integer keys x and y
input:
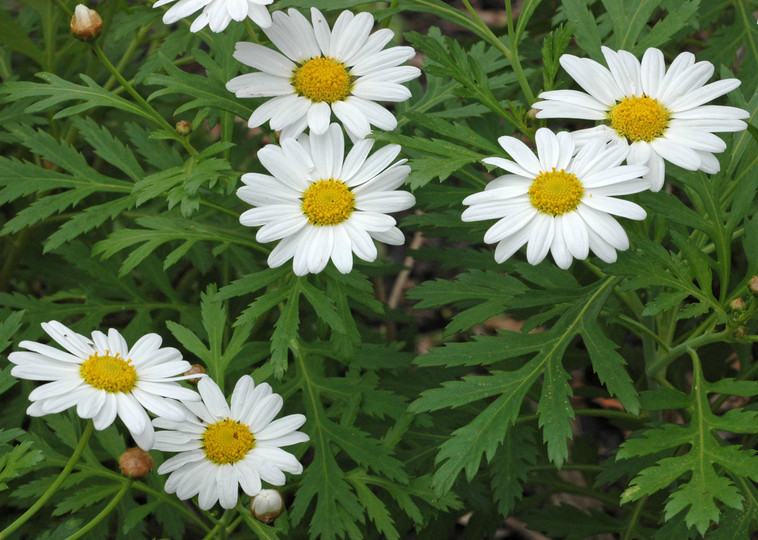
{"x": 183, "y": 128}
{"x": 737, "y": 305}
{"x": 135, "y": 463}
{"x": 86, "y": 24}
{"x": 752, "y": 285}
{"x": 195, "y": 369}
{"x": 267, "y": 505}
{"x": 740, "y": 332}
{"x": 532, "y": 113}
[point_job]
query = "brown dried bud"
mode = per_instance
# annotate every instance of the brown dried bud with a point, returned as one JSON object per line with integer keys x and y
{"x": 752, "y": 285}
{"x": 196, "y": 369}
{"x": 737, "y": 305}
{"x": 135, "y": 463}
{"x": 86, "y": 24}
{"x": 183, "y": 128}
{"x": 267, "y": 505}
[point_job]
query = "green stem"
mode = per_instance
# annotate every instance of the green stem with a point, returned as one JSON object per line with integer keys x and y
{"x": 605, "y": 413}
{"x": 251, "y": 31}
{"x": 149, "y": 109}
{"x": 511, "y": 54}
{"x": 674, "y": 353}
{"x": 515, "y": 62}
{"x": 632, "y": 324}
{"x": 629, "y": 531}
{"x": 127, "y": 55}
{"x": 39, "y": 503}
{"x": 104, "y": 512}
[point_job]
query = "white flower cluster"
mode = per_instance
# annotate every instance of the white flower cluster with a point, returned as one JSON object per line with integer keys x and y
{"x": 561, "y": 201}
{"x": 320, "y": 204}
{"x": 220, "y": 447}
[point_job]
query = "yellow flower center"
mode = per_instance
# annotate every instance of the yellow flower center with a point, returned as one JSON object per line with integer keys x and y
{"x": 227, "y": 441}
{"x": 109, "y": 372}
{"x": 322, "y": 79}
{"x": 639, "y": 118}
{"x": 328, "y": 202}
{"x": 556, "y": 192}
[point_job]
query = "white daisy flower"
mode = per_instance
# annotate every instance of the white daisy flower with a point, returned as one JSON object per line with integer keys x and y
{"x": 556, "y": 202}
{"x": 323, "y": 205}
{"x": 222, "y": 447}
{"x": 104, "y": 378}
{"x": 343, "y": 70}
{"x": 217, "y": 14}
{"x": 659, "y": 114}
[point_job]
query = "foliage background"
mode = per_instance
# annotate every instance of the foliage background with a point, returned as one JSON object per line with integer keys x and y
{"x": 532, "y": 377}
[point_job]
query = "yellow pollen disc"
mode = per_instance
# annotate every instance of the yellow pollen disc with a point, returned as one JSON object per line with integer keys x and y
{"x": 322, "y": 79}
{"x": 109, "y": 373}
{"x": 556, "y": 192}
{"x": 328, "y": 202}
{"x": 227, "y": 441}
{"x": 639, "y": 118}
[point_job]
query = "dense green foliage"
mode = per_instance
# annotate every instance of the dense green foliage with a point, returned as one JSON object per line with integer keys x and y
{"x": 113, "y": 219}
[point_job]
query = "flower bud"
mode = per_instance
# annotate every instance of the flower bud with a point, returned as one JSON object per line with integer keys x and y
{"x": 86, "y": 24}
{"x": 267, "y": 505}
{"x": 183, "y": 128}
{"x": 752, "y": 285}
{"x": 737, "y": 305}
{"x": 135, "y": 463}
{"x": 195, "y": 369}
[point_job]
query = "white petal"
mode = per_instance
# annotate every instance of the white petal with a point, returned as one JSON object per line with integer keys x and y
{"x": 213, "y": 398}
{"x": 548, "y": 150}
{"x": 593, "y": 77}
{"x": 676, "y": 153}
{"x": 540, "y": 238}
{"x": 354, "y": 120}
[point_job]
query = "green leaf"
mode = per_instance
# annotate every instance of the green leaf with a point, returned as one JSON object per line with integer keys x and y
{"x": 16, "y": 460}
{"x": 628, "y": 20}
{"x": 510, "y": 467}
{"x": 58, "y": 91}
{"x": 285, "y": 335}
{"x": 664, "y": 29}
{"x": 586, "y": 29}
{"x": 707, "y": 485}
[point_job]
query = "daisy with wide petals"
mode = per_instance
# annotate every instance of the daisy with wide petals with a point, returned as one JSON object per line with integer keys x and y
{"x": 217, "y": 14}
{"x": 343, "y": 70}
{"x": 659, "y": 114}
{"x": 323, "y": 205}
{"x": 223, "y": 447}
{"x": 104, "y": 378}
{"x": 558, "y": 203}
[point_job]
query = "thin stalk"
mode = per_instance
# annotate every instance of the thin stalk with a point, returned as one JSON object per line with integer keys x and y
{"x": 138, "y": 98}
{"x": 127, "y": 55}
{"x": 104, "y": 512}
{"x": 388, "y": 21}
{"x": 632, "y": 324}
{"x": 633, "y": 519}
{"x": 674, "y": 353}
{"x": 510, "y": 54}
{"x": 515, "y": 62}
{"x": 251, "y": 31}
{"x": 39, "y": 503}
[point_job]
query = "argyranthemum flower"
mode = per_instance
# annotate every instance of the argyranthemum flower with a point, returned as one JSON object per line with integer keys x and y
{"x": 659, "y": 114}
{"x": 558, "y": 203}
{"x": 323, "y": 205}
{"x": 343, "y": 70}
{"x": 222, "y": 447}
{"x": 104, "y": 378}
{"x": 217, "y": 14}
